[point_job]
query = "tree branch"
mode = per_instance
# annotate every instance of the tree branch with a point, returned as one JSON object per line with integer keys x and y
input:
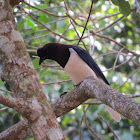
{"x": 16, "y": 132}
{"x": 91, "y": 88}
{"x": 8, "y": 101}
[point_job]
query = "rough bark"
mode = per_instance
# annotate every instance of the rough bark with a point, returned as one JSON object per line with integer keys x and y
{"x": 14, "y": 2}
{"x": 91, "y": 88}
{"x": 16, "y": 132}
{"x": 18, "y": 72}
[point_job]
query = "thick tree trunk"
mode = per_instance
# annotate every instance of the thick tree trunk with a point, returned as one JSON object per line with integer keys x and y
{"x": 18, "y": 72}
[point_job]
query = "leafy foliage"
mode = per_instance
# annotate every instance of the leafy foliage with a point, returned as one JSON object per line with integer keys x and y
{"x": 123, "y": 5}
{"x": 137, "y": 4}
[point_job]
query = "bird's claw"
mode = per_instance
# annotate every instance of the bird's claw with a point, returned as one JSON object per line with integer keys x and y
{"x": 63, "y": 94}
{"x": 77, "y": 84}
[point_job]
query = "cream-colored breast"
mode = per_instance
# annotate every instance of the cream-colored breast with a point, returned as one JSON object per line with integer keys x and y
{"x": 77, "y": 69}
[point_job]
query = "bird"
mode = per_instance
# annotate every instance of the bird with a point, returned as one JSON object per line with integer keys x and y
{"x": 77, "y": 63}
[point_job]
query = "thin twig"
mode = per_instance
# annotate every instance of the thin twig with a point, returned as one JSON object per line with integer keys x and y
{"x": 31, "y": 46}
{"x": 107, "y": 16}
{"x": 117, "y": 66}
{"x": 135, "y": 63}
{"x": 29, "y": 50}
{"x": 48, "y": 23}
{"x": 27, "y": 39}
{"x": 4, "y": 108}
{"x": 129, "y": 77}
{"x": 21, "y": 13}
{"x": 108, "y": 126}
{"x": 86, "y": 23}
{"x": 91, "y": 47}
{"x": 106, "y": 37}
{"x": 64, "y": 32}
{"x": 116, "y": 59}
{"x": 82, "y": 122}
{"x": 133, "y": 95}
{"x": 43, "y": 10}
{"x": 57, "y": 82}
{"x": 74, "y": 26}
{"x": 6, "y": 91}
{"x": 79, "y": 36}
{"x": 111, "y": 39}
{"x": 110, "y": 24}
{"x": 89, "y": 126}
{"x": 53, "y": 32}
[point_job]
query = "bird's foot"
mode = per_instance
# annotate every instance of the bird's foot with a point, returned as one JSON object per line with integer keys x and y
{"x": 63, "y": 94}
{"x": 77, "y": 84}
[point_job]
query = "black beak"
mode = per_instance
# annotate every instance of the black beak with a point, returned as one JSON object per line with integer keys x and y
{"x": 41, "y": 60}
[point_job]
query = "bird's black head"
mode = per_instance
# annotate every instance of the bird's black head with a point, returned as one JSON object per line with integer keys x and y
{"x": 48, "y": 51}
{"x": 55, "y": 51}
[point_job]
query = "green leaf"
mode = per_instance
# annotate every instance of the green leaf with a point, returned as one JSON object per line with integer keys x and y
{"x": 21, "y": 25}
{"x": 43, "y": 19}
{"x": 29, "y": 32}
{"x": 41, "y": 6}
{"x": 35, "y": 63}
{"x": 123, "y": 5}
{"x": 46, "y": 1}
{"x": 31, "y": 138}
{"x": 29, "y": 22}
{"x": 115, "y": 2}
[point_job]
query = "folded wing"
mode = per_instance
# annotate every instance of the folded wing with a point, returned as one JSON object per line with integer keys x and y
{"x": 92, "y": 64}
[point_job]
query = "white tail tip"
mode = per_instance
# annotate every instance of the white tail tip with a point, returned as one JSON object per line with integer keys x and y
{"x": 114, "y": 114}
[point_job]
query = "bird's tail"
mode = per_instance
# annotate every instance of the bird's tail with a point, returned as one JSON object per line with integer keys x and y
{"x": 114, "y": 114}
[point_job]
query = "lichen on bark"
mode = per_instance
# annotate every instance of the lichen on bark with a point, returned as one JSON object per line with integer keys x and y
{"x": 18, "y": 72}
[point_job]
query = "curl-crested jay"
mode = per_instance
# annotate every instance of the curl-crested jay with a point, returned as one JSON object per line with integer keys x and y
{"x": 77, "y": 63}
